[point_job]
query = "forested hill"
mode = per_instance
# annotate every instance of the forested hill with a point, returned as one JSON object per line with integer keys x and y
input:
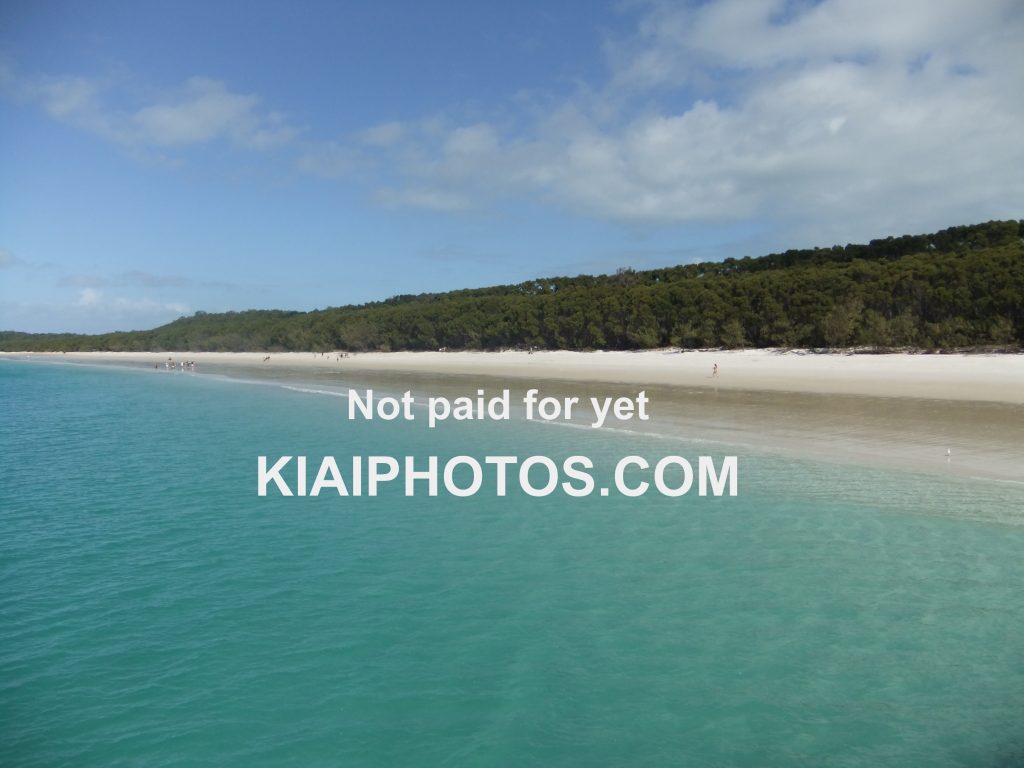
{"x": 961, "y": 287}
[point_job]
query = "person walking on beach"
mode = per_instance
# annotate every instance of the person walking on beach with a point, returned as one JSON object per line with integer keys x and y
{"x": 714, "y": 371}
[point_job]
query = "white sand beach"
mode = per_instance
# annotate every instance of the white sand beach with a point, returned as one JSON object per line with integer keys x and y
{"x": 971, "y": 377}
{"x": 895, "y": 410}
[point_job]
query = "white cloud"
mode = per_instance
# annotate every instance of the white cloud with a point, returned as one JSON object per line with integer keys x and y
{"x": 887, "y": 117}
{"x": 122, "y": 306}
{"x": 384, "y": 134}
{"x": 72, "y": 100}
{"x": 204, "y": 110}
{"x": 67, "y": 97}
{"x": 201, "y": 110}
{"x": 677, "y": 43}
{"x": 88, "y": 297}
{"x": 893, "y": 116}
{"x": 471, "y": 141}
{"x": 96, "y": 314}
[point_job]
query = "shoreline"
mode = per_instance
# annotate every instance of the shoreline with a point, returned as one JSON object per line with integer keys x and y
{"x": 992, "y": 378}
{"x": 871, "y": 413}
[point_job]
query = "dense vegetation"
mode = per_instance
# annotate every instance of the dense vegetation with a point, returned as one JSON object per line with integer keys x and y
{"x": 961, "y": 287}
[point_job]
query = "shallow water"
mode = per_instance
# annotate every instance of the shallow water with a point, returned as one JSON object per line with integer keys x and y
{"x": 154, "y": 611}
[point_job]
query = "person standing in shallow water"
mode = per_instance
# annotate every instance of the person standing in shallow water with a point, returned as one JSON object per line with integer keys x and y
{"x": 714, "y": 371}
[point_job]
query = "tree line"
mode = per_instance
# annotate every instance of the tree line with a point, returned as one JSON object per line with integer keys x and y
{"x": 962, "y": 287}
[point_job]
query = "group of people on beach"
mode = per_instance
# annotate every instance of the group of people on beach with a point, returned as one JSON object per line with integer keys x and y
{"x": 338, "y": 355}
{"x": 190, "y": 365}
{"x": 181, "y": 365}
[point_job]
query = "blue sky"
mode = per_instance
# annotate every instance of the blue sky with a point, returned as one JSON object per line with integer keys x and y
{"x": 158, "y": 158}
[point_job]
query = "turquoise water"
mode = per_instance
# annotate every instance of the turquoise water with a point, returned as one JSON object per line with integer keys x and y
{"x": 154, "y": 611}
